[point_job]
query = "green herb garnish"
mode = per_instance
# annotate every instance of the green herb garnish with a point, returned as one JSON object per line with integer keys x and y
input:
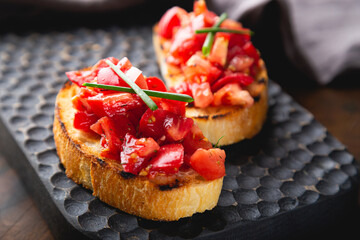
{"x": 206, "y": 48}
{"x": 147, "y": 100}
{"x": 152, "y": 93}
{"x": 218, "y": 29}
{"x": 217, "y": 144}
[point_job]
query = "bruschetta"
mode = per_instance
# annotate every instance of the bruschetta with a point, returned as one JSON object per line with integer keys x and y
{"x": 155, "y": 164}
{"x": 225, "y": 76}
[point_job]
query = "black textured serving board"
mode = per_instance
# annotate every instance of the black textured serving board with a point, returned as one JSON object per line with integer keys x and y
{"x": 292, "y": 178}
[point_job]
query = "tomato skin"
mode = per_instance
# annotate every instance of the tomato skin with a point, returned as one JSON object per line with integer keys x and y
{"x": 155, "y": 84}
{"x": 136, "y": 153}
{"x": 209, "y": 163}
{"x": 84, "y": 120}
{"x": 177, "y": 127}
{"x": 151, "y": 123}
{"x": 108, "y": 77}
{"x": 168, "y": 160}
{"x": 241, "y": 78}
{"x": 195, "y": 139}
{"x": 202, "y": 94}
{"x": 168, "y": 22}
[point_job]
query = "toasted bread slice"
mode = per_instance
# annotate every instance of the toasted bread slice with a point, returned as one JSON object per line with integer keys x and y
{"x": 79, "y": 152}
{"x": 222, "y": 125}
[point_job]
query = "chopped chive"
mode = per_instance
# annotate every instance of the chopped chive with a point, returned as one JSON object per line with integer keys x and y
{"x": 147, "y": 100}
{"x": 206, "y": 48}
{"x": 217, "y": 144}
{"x": 152, "y": 93}
{"x": 218, "y": 29}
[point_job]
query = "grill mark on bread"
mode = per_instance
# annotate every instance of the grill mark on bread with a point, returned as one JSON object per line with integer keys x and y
{"x": 168, "y": 187}
{"x": 126, "y": 175}
{"x": 257, "y": 98}
{"x": 220, "y": 115}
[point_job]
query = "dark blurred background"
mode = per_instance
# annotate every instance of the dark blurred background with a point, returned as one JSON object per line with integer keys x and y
{"x": 279, "y": 35}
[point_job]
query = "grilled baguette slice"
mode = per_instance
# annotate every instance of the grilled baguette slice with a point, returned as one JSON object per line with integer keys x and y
{"x": 230, "y": 124}
{"x": 79, "y": 152}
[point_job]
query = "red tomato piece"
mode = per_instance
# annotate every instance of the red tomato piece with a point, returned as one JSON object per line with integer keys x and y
{"x": 219, "y": 50}
{"x": 136, "y": 75}
{"x": 168, "y": 159}
{"x": 183, "y": 88}
{"x": 241, "y": 78}
{"x": 120, "y": 103}
{"x": 251, "y": 51}
{"x": 194, "y": 140}
{"x": 202, "y": 94}
{"x": 81, "y": 77}
{"x": 155, "y": 84}
{"x": 240, "y": 63}
{"x": 124, "y": 64}
{"x": 111, "y": 136}
{"x": 232, "y": 94}
{"x": 185, "y": 44}
{"x": 136, "y": 153}
{"x": 169, "y": 21}
{"x": 152, "y": 124}
{"x": 108, "y": 77}
{"x": 209, "y": 163}
{"x": 199, "y": 7}
{"x": 84, "y": 120}
{"x": 199, "y": 69}
{"x": 88, "y": 75}
{"x": 177, "y": 127}
{"x": 173, "y": 106}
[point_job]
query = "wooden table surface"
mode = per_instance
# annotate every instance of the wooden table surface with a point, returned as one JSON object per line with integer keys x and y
{"x": 337, "y": 109}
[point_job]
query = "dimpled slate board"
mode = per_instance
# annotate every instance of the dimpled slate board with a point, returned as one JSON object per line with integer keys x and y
{"x": 293, "y": 169}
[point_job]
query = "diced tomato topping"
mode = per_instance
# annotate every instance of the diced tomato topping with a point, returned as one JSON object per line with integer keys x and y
{"x": 241, "y": 78}
{"x": 232, "y": 94}
{"x": 202, "y": 94}
{"x": 124, "y": 64}
{"x": 88, "y": 75}
{"x": 199, "y": 69}
{"x": 151, "y": 123}
{"x": 185, "y": 44}
{"x": 177, "y": 127}
{"x": 84, "y": 120}
{"x": 155, "y": 84}
{"x": 209, "y": 163}
{"x": 240, "y": 63}
{"x": 182, "y": 87}
{"x": 195, "y": 139}
{"x": 168, "y": 159}
{"x": 112, "y": 135}
{"x": 251, "y": 51}
{"x": 219, "y": 50}
{"x": 163, "y": 136}
{"x": 173, "y": 106}
{"x": 136, "y": 153}
{"x": 136, "y": 75}
{"x": 199, "y": 7}
{"x": 169, "y": 21}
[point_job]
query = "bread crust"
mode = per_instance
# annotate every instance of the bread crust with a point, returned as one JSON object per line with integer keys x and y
{"x": 79, "y": 152}
{"x": 223, "y": 125}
